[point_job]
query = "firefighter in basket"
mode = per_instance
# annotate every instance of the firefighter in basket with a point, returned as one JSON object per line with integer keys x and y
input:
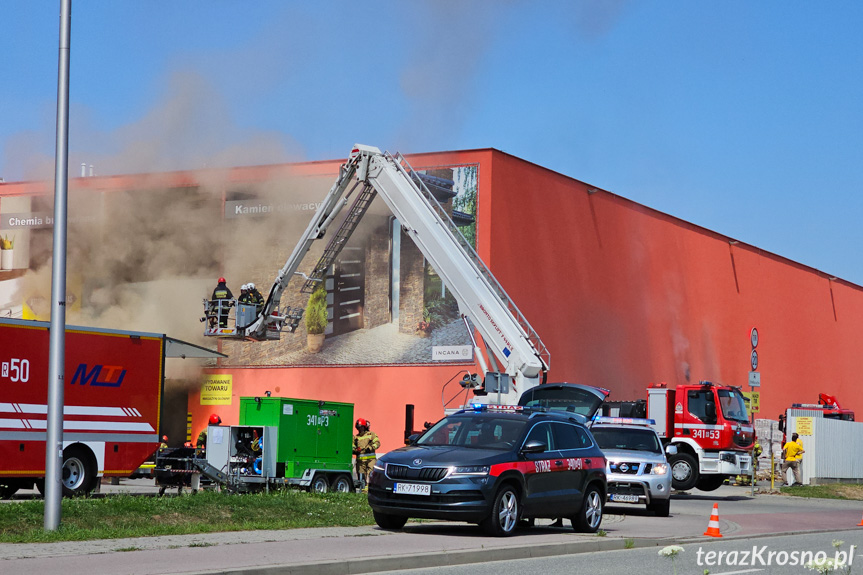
{"x": 366, "y": 443}
{"x": 221, "y": 303}
{"x": 256, "y": 297}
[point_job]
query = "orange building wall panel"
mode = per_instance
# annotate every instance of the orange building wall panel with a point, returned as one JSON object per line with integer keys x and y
{"x": 379, "y": 393}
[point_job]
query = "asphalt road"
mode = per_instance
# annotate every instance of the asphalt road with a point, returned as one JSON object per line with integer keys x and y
{"x": 773, "y": 555}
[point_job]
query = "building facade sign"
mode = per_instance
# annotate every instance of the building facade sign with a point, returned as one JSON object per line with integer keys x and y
{"x": 242, "y": 208}
{"x": 37, "y": 220}
{"x": 452, "y": 353}
{"x": 216, "y": 389}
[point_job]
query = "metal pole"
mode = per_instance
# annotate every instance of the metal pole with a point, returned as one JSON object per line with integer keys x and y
{"x": 57, "y": 352}
{"x": 754, "y": 477}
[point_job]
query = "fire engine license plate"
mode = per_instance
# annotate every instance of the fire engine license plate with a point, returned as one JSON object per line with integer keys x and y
{"x": 624, "y": 498}
{"x": 412, "y": 489}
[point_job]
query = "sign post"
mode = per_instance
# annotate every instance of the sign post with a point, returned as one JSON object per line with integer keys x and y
{"x": 754, "y": 397}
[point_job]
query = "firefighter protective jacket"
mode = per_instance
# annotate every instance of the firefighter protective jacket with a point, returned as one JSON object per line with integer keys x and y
{"x": 365, "y": 445}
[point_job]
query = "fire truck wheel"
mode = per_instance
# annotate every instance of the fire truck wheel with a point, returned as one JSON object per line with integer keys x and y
{"x": 79, "y": 471}
{"x": 710, "y": 482}
{"x": 343, "y": 484}
{"x": 320, "y": 484}
{"x": 684, "y": 471}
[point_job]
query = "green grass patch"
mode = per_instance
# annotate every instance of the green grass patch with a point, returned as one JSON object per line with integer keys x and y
{"x": 119, "y": 516}
{"x": 829, "y": 491}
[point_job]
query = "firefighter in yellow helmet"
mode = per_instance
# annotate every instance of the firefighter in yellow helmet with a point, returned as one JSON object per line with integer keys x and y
{"x": 756, "y": 452}
{"x": 366, "y": 442}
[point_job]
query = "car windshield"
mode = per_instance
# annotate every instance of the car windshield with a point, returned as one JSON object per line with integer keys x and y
{"x": 733, "y": 405}
{"x": 626, "y": 438}
{"x": 472, "y": 431}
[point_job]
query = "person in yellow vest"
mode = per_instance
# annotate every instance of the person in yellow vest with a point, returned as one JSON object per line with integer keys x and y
{"x": 793, "y": 454}
{"x": 366, "y": 443}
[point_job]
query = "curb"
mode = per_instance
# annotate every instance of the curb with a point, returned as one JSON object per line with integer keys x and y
{"x": 467, "y": 557}
{"x": 446, "y": 559}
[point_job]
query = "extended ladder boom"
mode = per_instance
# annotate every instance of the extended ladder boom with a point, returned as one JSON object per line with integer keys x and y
{"x": 506, "y": 333}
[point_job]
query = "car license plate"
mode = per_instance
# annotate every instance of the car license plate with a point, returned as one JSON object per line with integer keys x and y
{"x": 624, "y": 498}
{"x": 412, "y": 489}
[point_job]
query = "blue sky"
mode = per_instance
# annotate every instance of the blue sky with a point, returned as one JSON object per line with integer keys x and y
{"x": 743, "y": 117}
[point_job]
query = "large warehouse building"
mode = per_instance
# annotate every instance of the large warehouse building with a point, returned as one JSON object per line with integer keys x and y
{"x": 621, "y": 295}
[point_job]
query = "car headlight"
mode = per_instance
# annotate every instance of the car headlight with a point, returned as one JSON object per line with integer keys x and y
{"x": 378, "y": 466}
{"x": 472, "y": 470}
{"x": 659, "y": 469}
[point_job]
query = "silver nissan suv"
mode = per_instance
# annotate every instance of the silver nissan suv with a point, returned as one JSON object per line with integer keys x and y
{"x": 637, "y": 469}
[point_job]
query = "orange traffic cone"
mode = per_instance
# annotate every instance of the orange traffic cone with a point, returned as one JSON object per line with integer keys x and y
{"x": 860, "y": 524}
{"x": 713, "y": 526}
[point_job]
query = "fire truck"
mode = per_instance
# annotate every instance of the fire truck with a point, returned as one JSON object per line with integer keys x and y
{"x": 708, "y": 423}
{"x": 112, "y": 398}
{"x": 827, "y": 407}
{"x": 517, "y": 356}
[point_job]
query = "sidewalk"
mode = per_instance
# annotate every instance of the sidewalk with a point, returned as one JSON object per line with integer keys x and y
{"x": 309, "y": 551}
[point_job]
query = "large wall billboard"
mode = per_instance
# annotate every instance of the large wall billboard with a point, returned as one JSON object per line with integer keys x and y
{"x": 145, "y": 255}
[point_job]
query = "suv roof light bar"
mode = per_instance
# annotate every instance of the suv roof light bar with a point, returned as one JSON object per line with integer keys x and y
{"x": 629, "y": 420}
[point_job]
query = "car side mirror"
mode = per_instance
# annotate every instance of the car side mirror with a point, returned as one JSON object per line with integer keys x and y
{"x": 412, "y": 439}
{"x": 534, "y": 446}
{"x": 671, "y": 450}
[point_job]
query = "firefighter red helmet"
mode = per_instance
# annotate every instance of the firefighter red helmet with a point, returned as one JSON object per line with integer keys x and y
{"x": 361, "y": 423}
{"x": 222, "y": 280}
{"x": 215, "y": 420}
{"x": 165, "y": 438}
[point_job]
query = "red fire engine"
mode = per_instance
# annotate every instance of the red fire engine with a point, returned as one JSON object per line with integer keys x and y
{"x": 708, "y": 423}
{"x": 827, "y": 407}
{"x": 112, "y": 394}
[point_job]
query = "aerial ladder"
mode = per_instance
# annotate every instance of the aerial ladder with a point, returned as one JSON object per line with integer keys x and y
{"x": 518, "y": 357}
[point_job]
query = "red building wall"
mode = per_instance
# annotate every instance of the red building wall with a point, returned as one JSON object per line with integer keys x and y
{"x": 623, "y": 295}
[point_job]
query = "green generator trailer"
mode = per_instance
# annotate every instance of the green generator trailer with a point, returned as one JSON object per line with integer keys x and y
{"x": 313, "y": 439}
{"x": 283, "y": 441}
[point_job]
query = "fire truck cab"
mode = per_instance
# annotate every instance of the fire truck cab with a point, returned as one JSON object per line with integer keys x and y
{"x": 708, "y": 423}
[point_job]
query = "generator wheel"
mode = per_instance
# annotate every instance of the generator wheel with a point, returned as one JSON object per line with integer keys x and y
{"x": 343, "y": 484}
{"x": 320, "y": 483}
